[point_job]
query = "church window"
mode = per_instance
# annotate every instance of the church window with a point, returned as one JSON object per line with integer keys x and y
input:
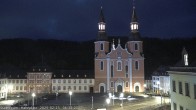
{"x": 127, "y": 84}
{"x": 126, "y": 71}
{"x": 112, "y": 84}
{"x": 101, "y": 46}
{"x": 112, "y": 71}
{"x": 119, "y": 65}
{"x": 136, "y": 65}
{"x": 136, "y": 46}
{"x": 101, "y": 65}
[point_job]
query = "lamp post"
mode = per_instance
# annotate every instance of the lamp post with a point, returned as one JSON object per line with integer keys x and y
{"x": 33, "y": 95}
{"x": 92, "y": 103}
{"x": 70, "y": 93}
{"x": 121, "y": 96}
{"x": 113, "y": 98}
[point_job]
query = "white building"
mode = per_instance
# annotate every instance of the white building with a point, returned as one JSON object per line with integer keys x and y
{"x": 12, "y": 84}
{"x": 77, "y": 81}
{"x": 183, "y": 84}
{"x": 161, "y": 81}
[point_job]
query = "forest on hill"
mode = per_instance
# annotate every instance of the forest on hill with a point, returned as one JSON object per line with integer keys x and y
{"x": 70, "y": 55}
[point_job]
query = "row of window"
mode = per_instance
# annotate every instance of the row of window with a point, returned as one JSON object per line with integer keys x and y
{"x": 38, "y": 76}
{"x": 126, "y": 84}
{"x": 136, "y": 46}
{"x": 175, "y": 107}
{"x": 186, "y": 86}
{"x": 17, "y": 81}
{"x": 71, "y": 81}
{"x": 59, "y": 88}
{"x": 15, "y": 88}
{"x": 119, "y": 66}
{"x": 39, "y": 81}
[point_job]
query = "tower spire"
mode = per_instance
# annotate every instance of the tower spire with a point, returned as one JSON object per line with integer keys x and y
{"x": 101, "y": 19}
{"x": 134, "y": 25}
{"x": 101, "y": 27}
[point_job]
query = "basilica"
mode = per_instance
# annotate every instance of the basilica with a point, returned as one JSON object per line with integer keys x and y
{"x": 119, "y": 69}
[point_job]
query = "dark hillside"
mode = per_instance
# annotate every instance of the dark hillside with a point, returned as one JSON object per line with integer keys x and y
{"x": 58, "y": 54}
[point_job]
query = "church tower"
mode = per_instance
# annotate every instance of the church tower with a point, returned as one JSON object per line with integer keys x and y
{"x": 135, "y": 46}
{"x": 101, "y": 50}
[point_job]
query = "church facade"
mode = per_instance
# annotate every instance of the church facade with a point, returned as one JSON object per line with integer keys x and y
{"x": 119, "y": 69}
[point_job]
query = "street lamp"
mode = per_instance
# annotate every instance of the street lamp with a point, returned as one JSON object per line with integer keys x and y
{"x": 70, "y": 93}
{"x": 33, "y": 95}
{"x": 121, "y": 96}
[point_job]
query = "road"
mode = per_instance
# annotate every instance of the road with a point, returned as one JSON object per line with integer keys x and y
{"x": 84, "y": 102}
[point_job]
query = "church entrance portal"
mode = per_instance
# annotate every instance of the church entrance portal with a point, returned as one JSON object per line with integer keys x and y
{"x": 119, "y": 88}
{"x": 136, "y": 88}
{"x": 101, "y": 89}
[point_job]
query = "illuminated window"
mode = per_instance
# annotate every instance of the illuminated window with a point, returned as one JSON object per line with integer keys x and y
{"x": 127, "y": 84}
{"x": 186, "y": 59}
{"x": 101, "y": 26}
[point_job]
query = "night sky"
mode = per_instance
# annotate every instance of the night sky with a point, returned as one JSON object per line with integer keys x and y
{"x": 77, "y": 19}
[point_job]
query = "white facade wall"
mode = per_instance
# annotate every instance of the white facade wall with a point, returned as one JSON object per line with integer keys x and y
{"x": 75, "y": 85}
{"x": 161, "y": 84}
{"x": 3, "y": 88}
{"x": 17, "y": 85}
{"x": 187, "y": 102}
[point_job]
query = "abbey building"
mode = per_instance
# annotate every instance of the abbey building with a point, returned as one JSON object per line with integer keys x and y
{"x": 119, "y": 69}
{"x": 116, "y": 69}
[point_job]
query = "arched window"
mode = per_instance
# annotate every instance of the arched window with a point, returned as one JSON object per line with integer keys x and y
{"x": 101, "y": 46}
{"x": 126, "y": 71}
{"x": 136, "y": 65}
{"x": 127, "y": 84}
{"x": 112, "y": 71}
{"x": 119, "y": 65}
{"x": 136, "y": 46}
{"x": 101, "y": 65}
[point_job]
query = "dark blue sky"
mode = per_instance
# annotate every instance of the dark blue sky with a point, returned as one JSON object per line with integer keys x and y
{"x": 77, "y": 19}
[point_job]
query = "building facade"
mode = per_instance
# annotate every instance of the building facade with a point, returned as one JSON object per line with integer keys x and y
{"x": 119, "y": 69}
{"x": 161, "y": 81}
{"x": 39, "y": 80}
{"x": 183, "y": 84}
{"x": 78, "y": 81}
